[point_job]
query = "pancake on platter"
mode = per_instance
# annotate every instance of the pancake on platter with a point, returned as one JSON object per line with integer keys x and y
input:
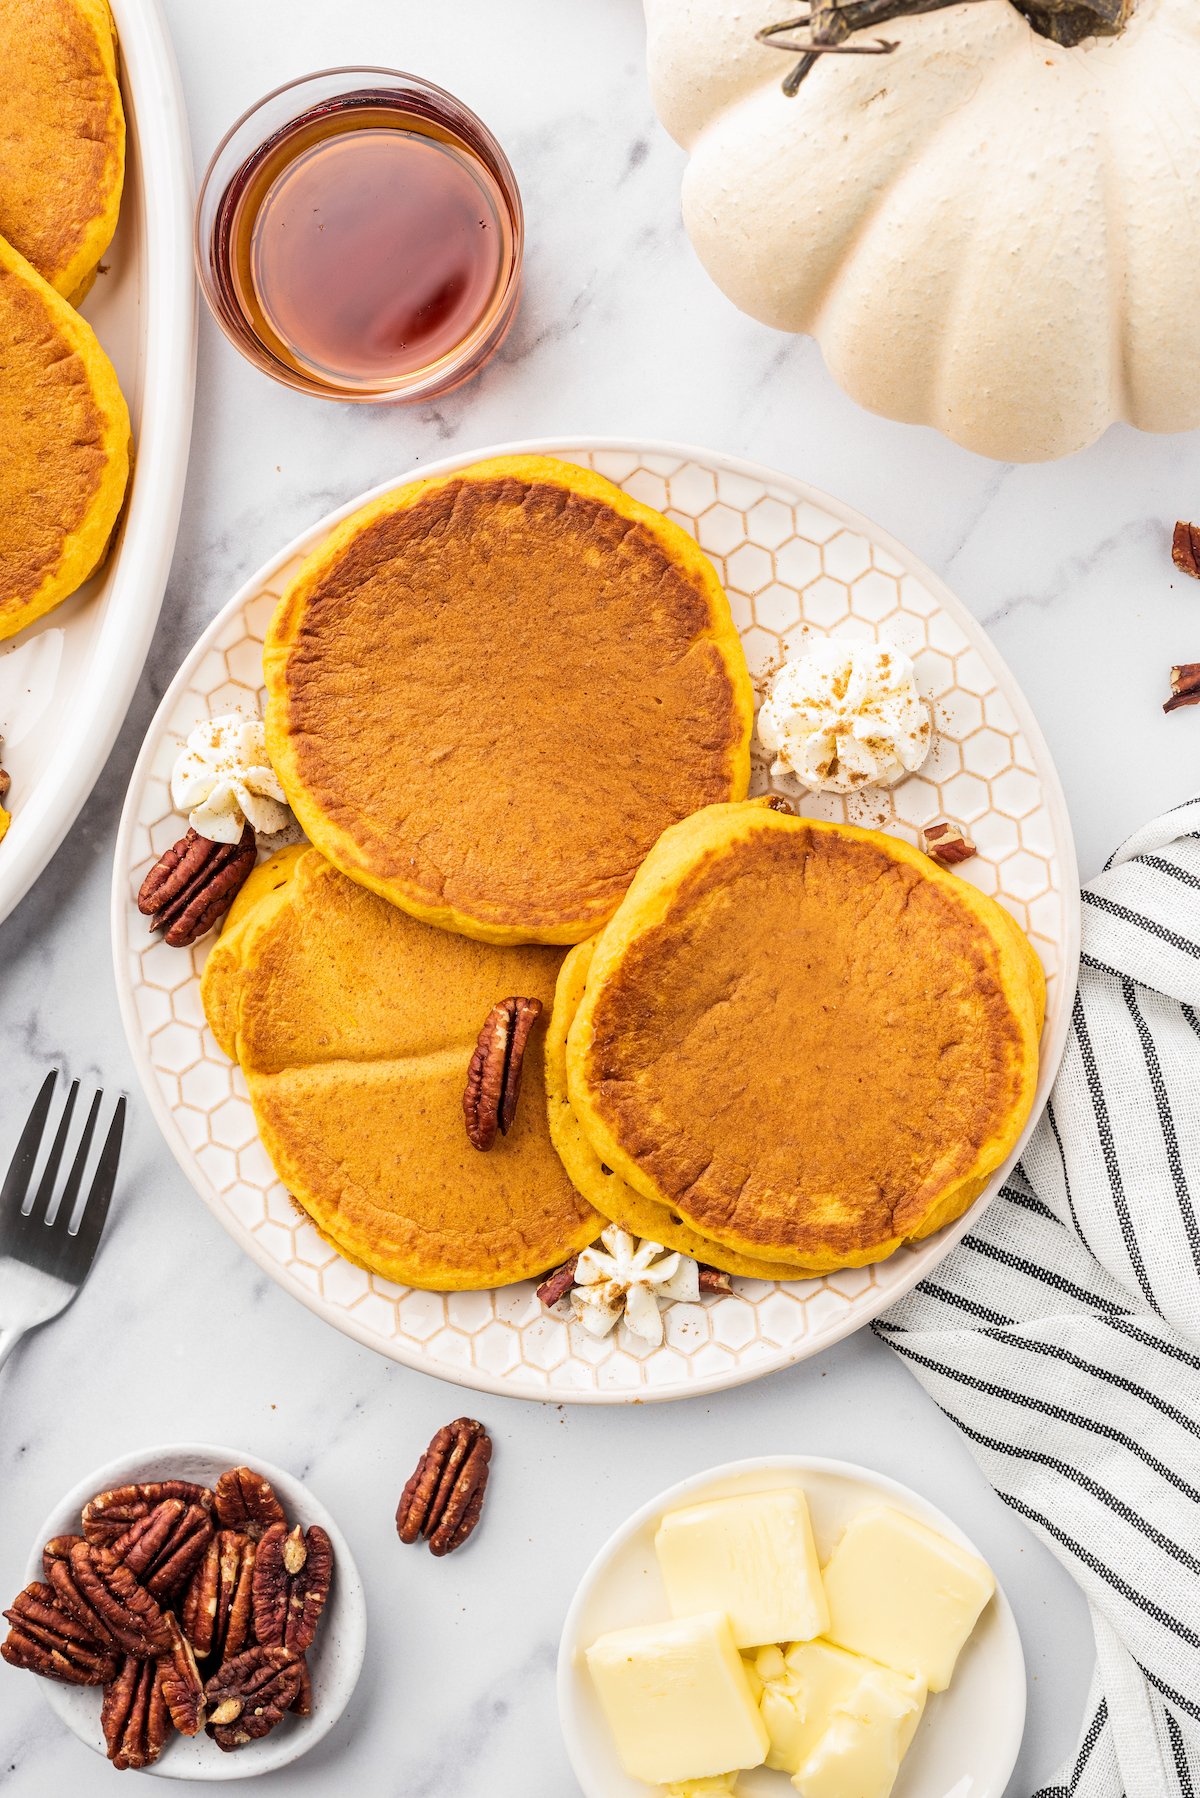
{"x": 490, "y": 693}
{"x": 807, "y": 1040}
{"x": 62, "y": 137}
{"x": 65, "y": 429}
{"x": 354, "y": 1025}
{"x": 603, "y": 1188}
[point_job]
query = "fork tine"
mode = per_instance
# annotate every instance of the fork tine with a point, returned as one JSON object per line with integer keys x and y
{"x": 95, "y": 1209}
{"x": 20, "y": 1172}
{"x": 39, "y": 1211}
{"x": 75, "y": 1177}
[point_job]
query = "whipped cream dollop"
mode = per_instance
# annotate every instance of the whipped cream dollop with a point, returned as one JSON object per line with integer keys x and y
{"x": 622, "y": 1277}
{"x": 846, "y": 715}
{"x": 224, "y": 781}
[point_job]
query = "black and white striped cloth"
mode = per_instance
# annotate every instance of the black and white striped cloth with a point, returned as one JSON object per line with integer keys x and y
{"x": 1063, "y": 1335}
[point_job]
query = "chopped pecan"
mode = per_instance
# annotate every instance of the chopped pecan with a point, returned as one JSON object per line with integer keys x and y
{"x": 129, "y": 1613}
{"x": 558, "y": 1284}
{"x": 57, "y": 1549}
{"x": 47, "y": 1639}
{"x": 292, "y": 1576}
{"x": 134, "y": 1716}
{"x": 218, "y": 1606}
{"x": 302, "y": 1703}
{"x": 192, "y": 886}
{"x": 713, "y": 1280}
{"x": 1185, "y": 550}
{"x": 777, "y": 803}
{"x": 250, "y": 1694}
{"x": 5, "y": 780}
{"x": 494, "y": 1073}
{"x": 1185, "y": 686}
{"x": 444, "y": 1497}
{"x": 946, "y": 842}
{"x": 246, "y": 1501}
{"x": 109, "y": 1514}
{"x": 163, "y": 1548}
{"x": 180, "y": 1683}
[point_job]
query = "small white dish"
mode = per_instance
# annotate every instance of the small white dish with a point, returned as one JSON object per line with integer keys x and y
{"x": 335, "y": 1658}
{"x": 968, "y": 1740}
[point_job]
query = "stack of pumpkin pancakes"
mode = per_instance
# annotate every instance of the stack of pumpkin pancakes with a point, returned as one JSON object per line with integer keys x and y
{"x": 510, "y": 708}
{"x": 63, "y": 420}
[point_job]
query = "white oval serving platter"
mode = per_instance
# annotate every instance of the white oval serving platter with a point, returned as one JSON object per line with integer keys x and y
{"x": 797, "y": 565}
{"x": 66, "y": 681}
{"x": 967, "y": 1742}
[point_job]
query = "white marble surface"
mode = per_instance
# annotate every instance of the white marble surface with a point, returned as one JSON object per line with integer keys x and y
{"x": 178, "y": 1336}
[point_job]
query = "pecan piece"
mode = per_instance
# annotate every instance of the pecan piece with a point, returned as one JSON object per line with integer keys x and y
{"x": 107, "y": 1516}
{"x": 1185, "y": 686}
{"x": 558, "y": 1284}
{"x": 775, "y": 802}
{"x": 47, "y": 1639}
{"x": 192, "y": 886}
{"x": 444, "y": 1497}
{"x": 250, "y": 1694}
{"x": 1185, "y": 551}
{"x": 130, "y": 1614}
{"x": 714, "y": 1281}
{"x": 163, "y": 1548}
{"x": 292, "y": 1577}
{"x": 946, "y": 842}
{"x": 218, "y": 1605}
{"x": 494, "y": 1074}
{"x": 180, "y": 1683}
{"x": 134, "y": 1715}
{"x": 246, "y": 1501}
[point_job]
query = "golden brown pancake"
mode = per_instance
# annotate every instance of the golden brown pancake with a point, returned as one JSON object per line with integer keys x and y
{"x": 603, "y": 1188}
{"x": 354, "y": 1025}
{"x": 64, "y": 426}
{"x": 491, "y": 692}
{"x": 62, "y": 137}
{"x": 809, "y": 1041}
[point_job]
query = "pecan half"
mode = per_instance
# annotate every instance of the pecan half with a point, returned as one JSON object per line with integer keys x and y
{"x": 66, "y": 1590}
{"x": 444, "y": 1497}
{"x": 558, "y": 1284}
{"x": 246, "y": 1501}
{"x": 47, "y": 1639}
{"x": 180, "y": 1683}
{"x": 129, "y": 1613}
{"x": 714, "y": 1281}
{"x": 57, "y": 1549}
{"x": 250, "y": 1694}
{"x": 109, "y": 1514}
{"x": 292, "y": 1576}
{"x": 494, "y": 1073}
{"x": 218, "y": 1606}
{"x": 163, "y": 1548}
{"x": 946, "y": 842}
{"x": 134, "y": 1715}
{"x": 1185, "y": 551}
{"x": 1185, "y": 686}
{"x": 192, "y": 886}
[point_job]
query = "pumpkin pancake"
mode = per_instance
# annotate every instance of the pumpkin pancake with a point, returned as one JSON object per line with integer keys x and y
{"x": 354, "y": 1025}
{"x": 491, "y": 692}
{"x": 809, "y": 1041}
{"x": 65, "y": 430}
{"x": 603, "y": 1188}
{"x": 62, "y": 137}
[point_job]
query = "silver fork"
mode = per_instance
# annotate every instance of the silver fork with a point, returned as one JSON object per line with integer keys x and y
{"x": 43, "y": 1262}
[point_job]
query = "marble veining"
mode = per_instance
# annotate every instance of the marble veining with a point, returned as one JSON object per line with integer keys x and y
{"x": 178, "y": 1335}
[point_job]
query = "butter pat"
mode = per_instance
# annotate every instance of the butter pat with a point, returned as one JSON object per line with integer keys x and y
{"x": 806, "y": 1686}
{"x": 858, "y": 1754}
{"x": 752, "y": 1557}
{"x": 677, "y": 1700}
{"x": 901, "y": 1594}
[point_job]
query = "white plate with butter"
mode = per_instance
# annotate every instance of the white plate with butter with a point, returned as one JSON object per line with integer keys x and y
{"x": 967, "y": 1740}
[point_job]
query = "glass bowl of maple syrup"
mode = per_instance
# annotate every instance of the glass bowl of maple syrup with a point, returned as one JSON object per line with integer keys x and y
{"x": 359, "y": 236}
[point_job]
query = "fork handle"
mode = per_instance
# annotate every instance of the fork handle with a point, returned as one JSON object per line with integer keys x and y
{"x": 9, "y": 1339}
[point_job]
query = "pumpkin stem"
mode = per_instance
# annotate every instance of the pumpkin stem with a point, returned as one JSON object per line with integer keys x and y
{"x": 828, "y": 23}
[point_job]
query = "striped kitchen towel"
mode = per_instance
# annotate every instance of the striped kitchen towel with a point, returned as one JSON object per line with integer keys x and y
{"x": 1063, "y": 1335}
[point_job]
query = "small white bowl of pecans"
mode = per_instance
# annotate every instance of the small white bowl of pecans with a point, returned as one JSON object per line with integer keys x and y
{"x": 194, "y": 1613}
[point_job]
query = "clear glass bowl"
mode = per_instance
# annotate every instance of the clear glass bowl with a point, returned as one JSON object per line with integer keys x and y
{"x": 270, "y": 119}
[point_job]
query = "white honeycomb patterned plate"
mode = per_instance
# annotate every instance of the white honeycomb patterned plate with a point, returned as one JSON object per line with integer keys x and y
{"x": 797, "y": 565}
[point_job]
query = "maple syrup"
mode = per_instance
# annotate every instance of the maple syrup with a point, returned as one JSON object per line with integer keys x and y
{"x": 370, "y": 246}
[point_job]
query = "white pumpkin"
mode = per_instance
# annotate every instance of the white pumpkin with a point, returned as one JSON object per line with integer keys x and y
{"x": 985, "y": 231}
